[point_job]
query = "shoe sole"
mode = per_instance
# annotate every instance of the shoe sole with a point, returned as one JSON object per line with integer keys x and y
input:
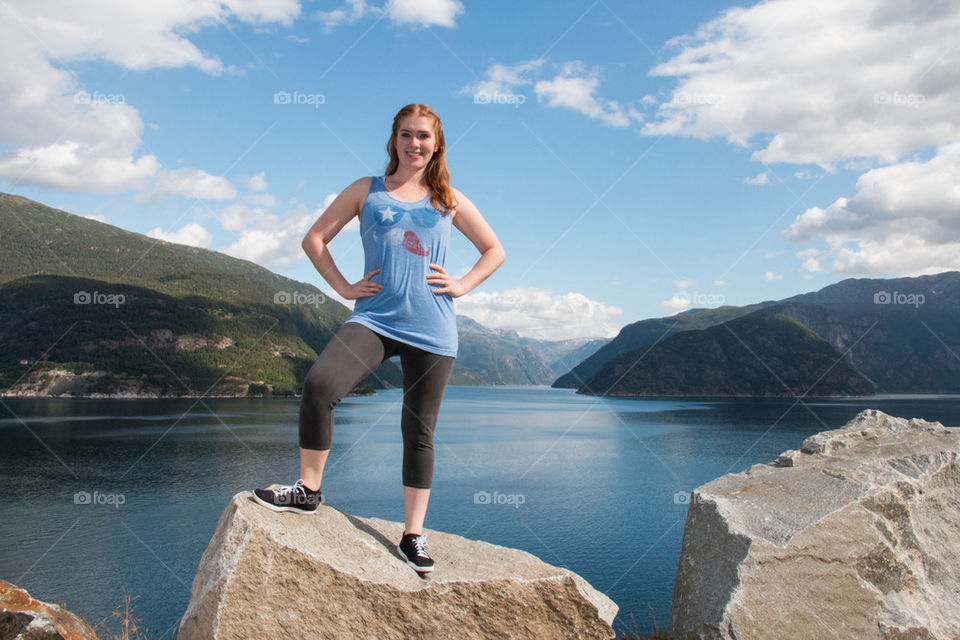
{"x": 290, "y": 509}
{"x": 415, "y": 566}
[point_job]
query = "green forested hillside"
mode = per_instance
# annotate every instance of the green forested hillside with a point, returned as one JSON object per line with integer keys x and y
{"x": 756, "y": 355}
{"x": 189, "y": 317}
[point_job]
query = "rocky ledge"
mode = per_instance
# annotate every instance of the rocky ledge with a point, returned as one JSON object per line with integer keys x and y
{"x": 25, "y": 618}
{"x": 856, "y": 535}
{"x": 331, "y": 575}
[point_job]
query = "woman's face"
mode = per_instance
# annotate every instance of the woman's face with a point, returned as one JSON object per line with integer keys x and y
{"x": 415, "y": 142}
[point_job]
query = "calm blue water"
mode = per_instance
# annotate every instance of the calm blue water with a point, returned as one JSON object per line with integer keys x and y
{"x": 598, "y": 479}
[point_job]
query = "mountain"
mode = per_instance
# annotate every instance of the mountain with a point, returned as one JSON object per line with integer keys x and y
{"x": 762, "y": 354}
{"x": 150, "y": 317}
{"x": 644, "y": 333}
{"x": 901, "y": 335}
{"x": 491, "y": 356}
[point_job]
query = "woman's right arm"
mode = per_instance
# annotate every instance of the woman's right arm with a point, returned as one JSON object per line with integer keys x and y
{"x": 328, "y": 225}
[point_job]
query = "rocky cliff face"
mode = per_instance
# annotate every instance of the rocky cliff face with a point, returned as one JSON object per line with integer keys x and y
{"x": 330, "y": 575}
{"x": 25, "y": 618}
{"x": 856, "y": 535}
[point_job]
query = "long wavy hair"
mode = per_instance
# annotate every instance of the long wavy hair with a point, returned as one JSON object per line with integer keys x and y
{"x": 436, "y": 174}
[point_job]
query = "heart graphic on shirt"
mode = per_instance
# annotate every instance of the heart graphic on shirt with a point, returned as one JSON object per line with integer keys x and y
{"x": 412, "y": 244}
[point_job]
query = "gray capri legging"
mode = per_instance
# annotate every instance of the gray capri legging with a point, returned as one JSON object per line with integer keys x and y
{"x": 351, "y": 355}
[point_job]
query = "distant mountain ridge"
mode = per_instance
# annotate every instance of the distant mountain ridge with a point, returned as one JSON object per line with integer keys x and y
{"x": 901, "y": 335}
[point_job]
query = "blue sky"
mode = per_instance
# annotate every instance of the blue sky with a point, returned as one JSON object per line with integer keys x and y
{"x": 634, "y": 158}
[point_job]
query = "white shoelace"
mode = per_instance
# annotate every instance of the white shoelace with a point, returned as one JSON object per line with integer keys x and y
{"x": 282, "y": 492}
{"x": 420, "y": 544}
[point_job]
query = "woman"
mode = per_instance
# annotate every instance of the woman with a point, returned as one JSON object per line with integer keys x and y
{"x": 404, "y": 306}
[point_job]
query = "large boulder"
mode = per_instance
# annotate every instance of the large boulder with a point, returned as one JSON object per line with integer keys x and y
{"x": 25, "y": 618}
{"x": 856, "y": 535}
{"x": 331, "y": 575}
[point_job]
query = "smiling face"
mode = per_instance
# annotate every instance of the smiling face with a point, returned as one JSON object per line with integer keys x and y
{"x": 416, "y": 142}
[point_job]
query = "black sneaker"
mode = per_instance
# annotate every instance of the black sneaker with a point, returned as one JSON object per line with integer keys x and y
{"x": 413, "y": 549}
{"x": 297, "y": 498}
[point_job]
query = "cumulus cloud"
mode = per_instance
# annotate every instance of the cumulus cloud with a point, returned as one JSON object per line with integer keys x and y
{"x": 190, "y": 183}
{"x": 78, "y": 138}
{"x": 269, "y": 239}
{"x": 847, "y": 83}
{"x": 575, "y": 87}
{"x": 818, "y": 81}
{"x": 679, "y": 301}
{"x": 759, "y": 180}
{"x": 771, "y": 276}
{"x": 903, "y": 218}
{"x": 569, "y": 85}
{"x": 192, "y": 234}
{"x": 442, "y": 13}
{"x": 541, "y": 314}
{"x": 500, "y": 82}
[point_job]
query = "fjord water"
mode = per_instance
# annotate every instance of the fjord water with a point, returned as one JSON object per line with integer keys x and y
{"x": 102, "y": 496}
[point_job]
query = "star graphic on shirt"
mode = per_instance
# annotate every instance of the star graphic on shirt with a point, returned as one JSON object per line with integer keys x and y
{"x": 387, "y": 214}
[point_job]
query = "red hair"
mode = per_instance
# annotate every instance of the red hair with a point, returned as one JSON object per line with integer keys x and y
{"x": 436, "y": 174}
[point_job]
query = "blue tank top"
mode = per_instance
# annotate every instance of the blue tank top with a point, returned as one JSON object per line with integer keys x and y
{"x": 402, "y": 239}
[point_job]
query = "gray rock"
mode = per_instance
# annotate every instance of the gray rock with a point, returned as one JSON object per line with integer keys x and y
{"x": 857, "y": 535}
{"x": 331, "y": 575}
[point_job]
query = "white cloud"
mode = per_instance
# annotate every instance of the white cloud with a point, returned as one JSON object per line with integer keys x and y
{"x": 837, "y": 82}
{"x": 760, "y": 179}
{"x": 770, "y": 276}
{"x": 273, "y": 240}
{"x": 684, "y": 284}
{"x": 575, "y": 88}
{"x": 352, "y": 11}
{"x": 442, "y": 13}
{"x": 903, "y": 218}
{"x": 541, "y": 314}
{"x": 721, "y": 283}
{"x": 189, "y": 183}
{"x": 238, "y": 216}
{"x": 500, "y": 80}
{"x": 680, "y": 301}
{"x": 258, "y": 182}
{"x": 192, "y": 234}
{"x": 78, "y": 138}
{"x": 819, "y": 81}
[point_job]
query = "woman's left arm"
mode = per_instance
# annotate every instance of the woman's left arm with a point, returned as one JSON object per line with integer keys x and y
{"x": 469, "y": 221}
